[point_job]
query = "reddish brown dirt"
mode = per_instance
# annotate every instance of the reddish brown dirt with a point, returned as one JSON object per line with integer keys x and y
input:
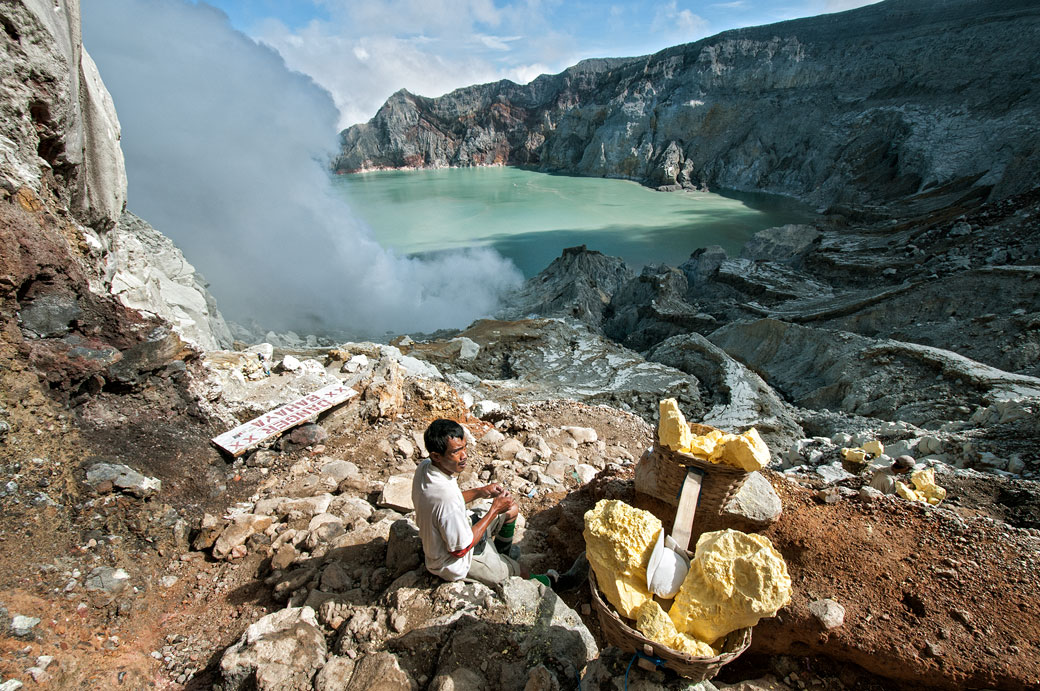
{"x": 932, "y": 600}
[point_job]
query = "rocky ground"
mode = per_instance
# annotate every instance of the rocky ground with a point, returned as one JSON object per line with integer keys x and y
{"x": 131, "y": 591}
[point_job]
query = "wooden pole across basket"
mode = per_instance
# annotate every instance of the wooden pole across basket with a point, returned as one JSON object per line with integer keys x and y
{"x": 682, "y": 527}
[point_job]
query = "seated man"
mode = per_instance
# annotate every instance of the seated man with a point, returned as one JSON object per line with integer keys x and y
{"x": 884, "y": 479}
{"x": 453, "y": 545}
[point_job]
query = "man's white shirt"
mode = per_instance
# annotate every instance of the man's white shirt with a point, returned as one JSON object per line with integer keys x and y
{"x": 444, "y": 525}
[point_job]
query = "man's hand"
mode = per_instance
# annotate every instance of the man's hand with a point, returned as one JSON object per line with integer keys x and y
{"x": 501, "y": 504}
{"x": 493, "y": 490}
{"x": 504, "y": 503}
{"x": 486, "y": 492}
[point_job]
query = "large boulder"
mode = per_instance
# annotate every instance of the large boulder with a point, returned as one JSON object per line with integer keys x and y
{"x": 541, "y": 631}
{"x": 755, "y": 506}
{"x": 281, "y": 652}
{"x": 882, "y": 378}
{"x": 404, "y": 550}
{"x": 738, "y": 397}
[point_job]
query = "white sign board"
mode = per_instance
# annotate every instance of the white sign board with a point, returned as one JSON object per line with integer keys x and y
{"x": 239, "y": 440}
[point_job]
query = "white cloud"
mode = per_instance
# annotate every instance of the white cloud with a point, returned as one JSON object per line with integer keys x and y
{"x": 677, "y": 25}
{"x": 365, "y": 51}
{"x": 842, "y": 5}
{"x": 497, "y": 42}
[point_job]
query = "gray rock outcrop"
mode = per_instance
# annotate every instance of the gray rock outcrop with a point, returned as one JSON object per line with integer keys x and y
{"x": 578, "y": 284}
{"x": 147, "y": 272}
{"x": 59, "y": 129}
{"x": 738, "y": 398}
{"x": 542, "y": 359}
{"x": 789, "y": 243}
{"x": 653, "y": 307}
{"x": 886, "y": 379}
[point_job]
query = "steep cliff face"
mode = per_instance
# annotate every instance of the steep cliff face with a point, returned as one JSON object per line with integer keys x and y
{"x": 867, "y": 105}
{"x": 59, "y": 133}
{"x": 67, "y": 239}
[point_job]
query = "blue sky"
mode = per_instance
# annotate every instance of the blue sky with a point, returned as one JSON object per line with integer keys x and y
{"x": 361, "y": 51}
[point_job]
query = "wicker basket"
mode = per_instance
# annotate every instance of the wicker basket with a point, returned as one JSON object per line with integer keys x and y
{"x": 623, "y": 636}
{"x": 661, "y": 474}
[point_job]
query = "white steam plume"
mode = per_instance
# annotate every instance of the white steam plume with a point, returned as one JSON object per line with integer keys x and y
{"x": 226, "y": 152}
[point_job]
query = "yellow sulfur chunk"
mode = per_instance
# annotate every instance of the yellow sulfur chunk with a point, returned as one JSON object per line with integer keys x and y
{"x": 854, "y": 455}
{"x": 874, "y": 447}
{"x": 653, "y": 623}
{"x": 619, "y": 540}
{"x": 673, "y": 431}
{"x": 925, "y": 489}
{"x": 903, "y": 490}
{"x": 735, "y": 579}
{"x": 691, "y": 646}
{"x": 747, "y": 451}
{"x": 704, "y": 444}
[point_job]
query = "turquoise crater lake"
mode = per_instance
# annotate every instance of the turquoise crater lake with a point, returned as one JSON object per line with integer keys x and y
{"x": 531, "y": 217}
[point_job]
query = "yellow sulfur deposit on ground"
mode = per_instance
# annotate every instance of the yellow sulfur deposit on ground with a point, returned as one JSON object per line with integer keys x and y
{"x": 874, "y": 447}
{"x": 925, "y": 489}
{"x": 747, "y": 450}
{"x": 854, "y": 455}
{"x": 619, "y": 540}
{"x": 653, "y": 623}
{"x": 735, "y": 579}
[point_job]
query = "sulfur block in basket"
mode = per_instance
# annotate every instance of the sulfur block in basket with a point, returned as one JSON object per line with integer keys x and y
{"x": 655, "y": 624}
{"x": 747, "y": 451}
{"x": 672, "y": 431}
{"x": 735, "y": 579}
{"x": 618, "y": 541}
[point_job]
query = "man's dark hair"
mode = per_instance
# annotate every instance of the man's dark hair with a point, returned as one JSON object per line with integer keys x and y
{"x": 903, "y": 464}
{"x": 439, "y": 432}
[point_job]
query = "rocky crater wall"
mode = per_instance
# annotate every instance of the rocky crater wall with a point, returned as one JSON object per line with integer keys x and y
{"x": 862, "y": 106}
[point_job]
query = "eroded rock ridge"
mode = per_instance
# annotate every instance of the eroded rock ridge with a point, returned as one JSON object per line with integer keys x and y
{"x": 861, "y": 106}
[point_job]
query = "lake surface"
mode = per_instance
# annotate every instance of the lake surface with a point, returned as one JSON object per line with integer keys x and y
{"x": 531, "y": 217}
